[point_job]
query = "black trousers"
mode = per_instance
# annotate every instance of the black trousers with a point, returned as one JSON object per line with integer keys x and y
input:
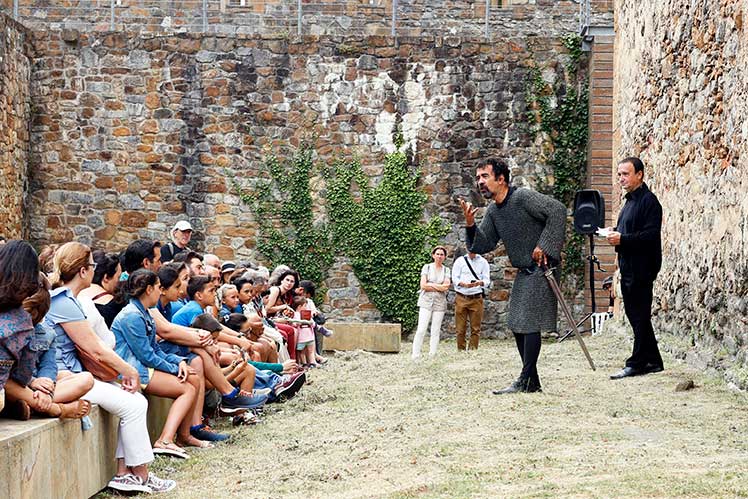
{"x": 529, "y": 351}
{"x": 637, "y": 300}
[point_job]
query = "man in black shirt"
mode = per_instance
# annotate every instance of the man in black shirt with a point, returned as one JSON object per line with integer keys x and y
{"x": 637, "y": 241}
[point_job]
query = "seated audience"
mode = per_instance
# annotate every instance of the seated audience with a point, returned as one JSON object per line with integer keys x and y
{"x": 250, "y": 296}
{"x": 185, "y": 346}
{"x": 73, "y": 271}
{"x": 202, "y": 295}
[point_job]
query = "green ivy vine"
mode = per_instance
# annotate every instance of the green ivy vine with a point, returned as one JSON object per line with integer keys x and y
{"x": 561, "y": 112}
{"x": 381, "y": 230}
{"x": 282, "y": 206}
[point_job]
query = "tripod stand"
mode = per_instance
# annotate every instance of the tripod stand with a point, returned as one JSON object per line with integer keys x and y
{"x": 594, "y": 261}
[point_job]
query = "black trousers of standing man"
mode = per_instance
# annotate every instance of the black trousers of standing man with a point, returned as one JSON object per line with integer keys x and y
{"x": 637, "y": 300}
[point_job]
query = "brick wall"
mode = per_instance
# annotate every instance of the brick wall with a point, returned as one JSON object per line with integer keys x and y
{"x": 600, "y": 158}
{"x": 15, "y": 118}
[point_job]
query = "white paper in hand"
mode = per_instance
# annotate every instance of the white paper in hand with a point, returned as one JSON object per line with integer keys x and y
{"x": 603, "y": 231}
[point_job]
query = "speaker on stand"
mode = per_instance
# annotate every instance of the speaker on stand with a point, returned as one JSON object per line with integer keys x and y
{"x": 589, "y": 215}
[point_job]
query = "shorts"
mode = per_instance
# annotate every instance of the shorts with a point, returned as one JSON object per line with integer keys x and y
{"x": 302, "y": 346}
{"x": 150, "y": 377}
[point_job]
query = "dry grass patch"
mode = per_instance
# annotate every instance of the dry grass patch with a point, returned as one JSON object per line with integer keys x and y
{"x": 379, "y": 426}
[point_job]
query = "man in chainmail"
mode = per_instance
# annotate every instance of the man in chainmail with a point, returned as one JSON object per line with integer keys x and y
{"x": 531, "y": 226}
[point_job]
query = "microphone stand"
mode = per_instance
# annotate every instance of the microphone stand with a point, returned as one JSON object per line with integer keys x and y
{"x": 594, "y": 261}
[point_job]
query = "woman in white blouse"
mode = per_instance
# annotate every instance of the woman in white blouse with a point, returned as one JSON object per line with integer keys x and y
{"x": 432, "y": 301}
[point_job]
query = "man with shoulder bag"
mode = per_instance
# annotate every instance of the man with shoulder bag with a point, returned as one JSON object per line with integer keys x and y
{"x": 472, "y": 276}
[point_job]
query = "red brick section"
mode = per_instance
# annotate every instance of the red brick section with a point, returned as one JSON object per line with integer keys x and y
{"x": 599, "y": 168}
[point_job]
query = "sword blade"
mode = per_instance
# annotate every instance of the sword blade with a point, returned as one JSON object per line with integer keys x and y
{"x": 567, "y": 313}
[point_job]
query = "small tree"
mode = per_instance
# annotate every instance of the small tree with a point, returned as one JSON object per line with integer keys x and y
{"x": 383, "y": 232}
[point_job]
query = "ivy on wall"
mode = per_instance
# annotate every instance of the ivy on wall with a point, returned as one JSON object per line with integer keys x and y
{"x": 381, "y": 230}
{"x": 282, "y": 205}
{"x": 560, "y": 111}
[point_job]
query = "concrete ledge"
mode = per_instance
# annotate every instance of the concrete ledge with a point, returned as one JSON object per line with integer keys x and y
{"x": 373, "y": 337}
{"x": 55, "y": 458}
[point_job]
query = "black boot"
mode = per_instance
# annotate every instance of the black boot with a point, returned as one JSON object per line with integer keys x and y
{"x": 519, "y": 386}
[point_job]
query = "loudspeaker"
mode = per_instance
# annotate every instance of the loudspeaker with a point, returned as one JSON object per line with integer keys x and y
{"x": 589, "y": 211}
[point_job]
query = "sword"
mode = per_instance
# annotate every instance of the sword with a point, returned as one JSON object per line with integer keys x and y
{"x": 567, "y": 313}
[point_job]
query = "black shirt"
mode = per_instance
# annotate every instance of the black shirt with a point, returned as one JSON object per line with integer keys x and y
{"x": 109, "y": 311}
{"x": 169, "y": 251}
{"x": 640, "y": 224}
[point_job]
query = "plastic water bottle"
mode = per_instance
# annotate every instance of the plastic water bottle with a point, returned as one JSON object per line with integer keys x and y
{"x": 86, "y": 423}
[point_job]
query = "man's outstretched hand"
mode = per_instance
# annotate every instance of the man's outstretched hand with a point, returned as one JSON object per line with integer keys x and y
{"x": 469, "y": 211}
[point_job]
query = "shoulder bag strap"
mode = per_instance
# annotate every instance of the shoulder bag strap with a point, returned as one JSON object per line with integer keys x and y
{"x": 471, "y": 268}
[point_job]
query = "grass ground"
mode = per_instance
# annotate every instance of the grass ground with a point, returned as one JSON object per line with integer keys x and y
{"x": 380, "y": 426}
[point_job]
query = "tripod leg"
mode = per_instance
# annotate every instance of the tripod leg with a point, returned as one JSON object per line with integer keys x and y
{"x": 570, "y": 332}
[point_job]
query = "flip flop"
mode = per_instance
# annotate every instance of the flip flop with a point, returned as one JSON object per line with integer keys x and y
{"x": 166, "y": 451}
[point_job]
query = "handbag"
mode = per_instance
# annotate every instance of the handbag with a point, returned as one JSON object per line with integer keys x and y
{"x": 97, "y": 369}
{"x": 319, "y": 319}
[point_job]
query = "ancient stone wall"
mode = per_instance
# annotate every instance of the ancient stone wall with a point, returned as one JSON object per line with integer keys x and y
{"x": 681, "y": 89}
{"x": 361, "y": 17}
{"x": 133, "y": 133}
{"x": 15, "y": 119}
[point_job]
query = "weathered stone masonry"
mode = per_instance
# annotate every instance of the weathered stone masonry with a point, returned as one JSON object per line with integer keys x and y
{"x": 15, "y": 119}
{"x": 131, "y": 134}
{"x": 682, "y": 104}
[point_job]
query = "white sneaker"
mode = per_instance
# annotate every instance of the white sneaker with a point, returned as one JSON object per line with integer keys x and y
{"x": 128, "y": 483}
{"x": 158, "y": 485}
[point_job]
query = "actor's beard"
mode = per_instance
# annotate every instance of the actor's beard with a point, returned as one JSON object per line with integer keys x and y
{"x": 486, "y": 193}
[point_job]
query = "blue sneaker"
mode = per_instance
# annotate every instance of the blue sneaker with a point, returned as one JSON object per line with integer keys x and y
{"x": 235, "y": 402}
{"x": 205, "y": 432}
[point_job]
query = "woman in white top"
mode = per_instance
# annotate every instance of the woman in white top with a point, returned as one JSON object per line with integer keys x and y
{"x": 432, "y": 301}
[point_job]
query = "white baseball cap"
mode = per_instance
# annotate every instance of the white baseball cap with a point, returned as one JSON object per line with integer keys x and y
{"x": 182, "y": 225}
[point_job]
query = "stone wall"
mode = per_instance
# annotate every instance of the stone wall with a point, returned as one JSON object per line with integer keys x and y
{"x": 363, "y": 17}
{"x": 681, "y": 103}
{"x": 132, "y": 133}
{"x": 15, "y": 118}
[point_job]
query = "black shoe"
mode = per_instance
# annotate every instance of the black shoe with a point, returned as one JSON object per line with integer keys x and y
{"x": 519, "y": 386}
{"x": 533, "y": 386}
{"x": 653, "y": 368}
{"x": 626, "y": 372}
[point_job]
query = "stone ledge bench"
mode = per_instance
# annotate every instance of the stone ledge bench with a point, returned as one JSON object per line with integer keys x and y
{"x": 372, "y": 337}
{"x": 55, "y": 458}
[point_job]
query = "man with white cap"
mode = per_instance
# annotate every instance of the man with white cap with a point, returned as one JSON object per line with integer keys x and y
{"x": 180, "y": 238}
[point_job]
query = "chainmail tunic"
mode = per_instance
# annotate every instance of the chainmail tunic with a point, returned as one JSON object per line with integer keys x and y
{"x": 524, "y": 220}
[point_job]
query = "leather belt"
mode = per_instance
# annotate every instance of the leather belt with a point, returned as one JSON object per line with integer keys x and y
{"x": 470, "y": 297}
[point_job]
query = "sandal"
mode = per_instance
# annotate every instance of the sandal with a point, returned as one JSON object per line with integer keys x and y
{"x": 74, "y": 410}
{"x": 165, "y": 448}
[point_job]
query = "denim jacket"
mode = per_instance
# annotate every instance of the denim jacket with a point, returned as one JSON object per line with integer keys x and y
{"x": 44, "y": 344}
{"x": 135, "y": 332}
